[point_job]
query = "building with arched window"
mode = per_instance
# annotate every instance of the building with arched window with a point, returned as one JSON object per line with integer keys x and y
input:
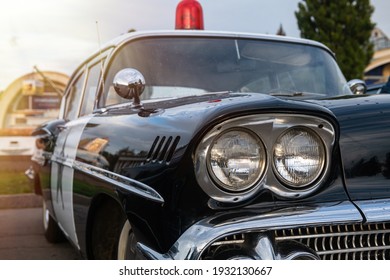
{"x": 378, "y": 70}
{"x": 27, "y": 102}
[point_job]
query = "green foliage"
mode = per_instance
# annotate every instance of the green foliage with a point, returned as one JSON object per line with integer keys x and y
{"x": 14, "y": 182}
{"x": 344, "y": 26}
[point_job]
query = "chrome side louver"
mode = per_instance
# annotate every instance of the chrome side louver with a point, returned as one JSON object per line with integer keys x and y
{"x": 162, "y": 149}
{"x": 161, "y": 152}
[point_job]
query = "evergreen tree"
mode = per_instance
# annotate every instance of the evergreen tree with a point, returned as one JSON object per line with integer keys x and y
{"x": 344, "y": 26}
{"x": 281, "y": 31}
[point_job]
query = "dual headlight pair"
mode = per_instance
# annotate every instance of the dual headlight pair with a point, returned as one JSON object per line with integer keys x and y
{"x": 237, "y": 158}
{"x": 240, "y": 152}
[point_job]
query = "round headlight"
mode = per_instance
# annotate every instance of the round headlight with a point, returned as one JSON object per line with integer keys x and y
{"x": 236, "y": 160}
{"x": 299, "y": 157}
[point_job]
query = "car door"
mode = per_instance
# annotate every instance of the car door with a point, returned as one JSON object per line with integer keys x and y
{"x": 79, "y": 102}
{"x": 63, "y": 154}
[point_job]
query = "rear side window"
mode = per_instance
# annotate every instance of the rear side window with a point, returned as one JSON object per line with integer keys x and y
{"x": 73, "y": 98}
{"x": 90, "y": 89}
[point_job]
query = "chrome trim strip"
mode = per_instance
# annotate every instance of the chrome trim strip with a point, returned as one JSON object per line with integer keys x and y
{"x": 63, "y": 161}
{"x": 120, "y": 181}
{"x": 202, "y": 234}
{"x": 375, "y": 210}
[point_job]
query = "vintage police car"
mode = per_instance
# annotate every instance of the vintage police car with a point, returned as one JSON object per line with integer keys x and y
{"x": 210, "y": 145}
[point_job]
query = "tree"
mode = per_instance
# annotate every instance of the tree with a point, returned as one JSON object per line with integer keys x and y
{"x": 281, "y": 31}
{"x": 344, "y": 26}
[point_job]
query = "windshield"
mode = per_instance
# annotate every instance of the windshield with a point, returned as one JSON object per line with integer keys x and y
{"x": 184, "y": 66}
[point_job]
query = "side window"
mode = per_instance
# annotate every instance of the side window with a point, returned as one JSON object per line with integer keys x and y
{"x": 73, "y": 98}
{"x": 90, "y": 89}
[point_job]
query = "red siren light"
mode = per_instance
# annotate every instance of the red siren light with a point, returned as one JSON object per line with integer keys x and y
{"x": 189, "y": 15}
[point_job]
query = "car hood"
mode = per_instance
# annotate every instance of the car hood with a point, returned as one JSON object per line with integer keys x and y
{"x": 214, "y": 106}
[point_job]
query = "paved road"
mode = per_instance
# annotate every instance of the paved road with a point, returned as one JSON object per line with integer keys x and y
{"x": 21, "y": 237}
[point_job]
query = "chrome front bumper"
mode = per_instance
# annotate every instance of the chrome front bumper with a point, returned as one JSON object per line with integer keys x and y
{"x": 262, "y": 244}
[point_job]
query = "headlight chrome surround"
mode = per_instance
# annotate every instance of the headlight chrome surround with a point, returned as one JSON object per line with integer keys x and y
{"x": 268, "y": 128}
{"x": 236, "y": 160}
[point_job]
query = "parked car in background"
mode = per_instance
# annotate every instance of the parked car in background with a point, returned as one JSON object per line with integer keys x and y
{"x": 211, "y": 145}
{"x": 379, "y": 88}
{"x": 374, "y": 88}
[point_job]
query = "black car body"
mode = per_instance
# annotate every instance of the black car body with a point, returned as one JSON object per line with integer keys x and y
{"x": 228, "y": 146}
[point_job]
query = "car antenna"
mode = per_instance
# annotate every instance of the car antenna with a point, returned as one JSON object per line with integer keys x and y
{"x": 100, "y": 53}
{"x": 47, "y": 79}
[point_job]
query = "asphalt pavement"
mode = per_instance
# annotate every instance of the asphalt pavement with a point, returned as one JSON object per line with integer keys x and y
{"x": 22, "y": 236}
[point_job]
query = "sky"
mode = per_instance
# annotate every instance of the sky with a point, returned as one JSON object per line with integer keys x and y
{"x": 57, "y": 35}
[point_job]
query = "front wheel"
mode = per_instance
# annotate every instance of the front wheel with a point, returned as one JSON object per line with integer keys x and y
{"x": 52, "y": 231}
{"x": 127, "y": 243}
{"x": 111, "y": 235}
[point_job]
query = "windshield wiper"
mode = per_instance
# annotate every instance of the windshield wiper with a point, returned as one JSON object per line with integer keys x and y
{"x": 284, "y": 92}
{"x": 292, "y": 94}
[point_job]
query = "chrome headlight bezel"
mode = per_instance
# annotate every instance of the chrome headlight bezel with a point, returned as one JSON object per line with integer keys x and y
{"x": 267, "y": 128}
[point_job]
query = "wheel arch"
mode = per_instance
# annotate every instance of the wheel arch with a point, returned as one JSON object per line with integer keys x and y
{"x": 105, "y": 218}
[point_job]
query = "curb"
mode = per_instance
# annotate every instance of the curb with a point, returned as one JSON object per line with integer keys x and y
{"x": 20, "y": 201}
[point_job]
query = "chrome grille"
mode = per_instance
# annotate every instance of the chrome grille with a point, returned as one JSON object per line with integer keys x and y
{"x": 336, "y": 242}
{"x": 231, "y": 242}
{"x": 347, "y": 242}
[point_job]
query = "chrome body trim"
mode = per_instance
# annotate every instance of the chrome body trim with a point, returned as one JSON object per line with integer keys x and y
{"x": 120, "y": 181}
{"x": 63, "y": 161}
{"x": 375, "y": 210}
{"x": 202, "y": 234}
{"x": 264, "y": 126}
